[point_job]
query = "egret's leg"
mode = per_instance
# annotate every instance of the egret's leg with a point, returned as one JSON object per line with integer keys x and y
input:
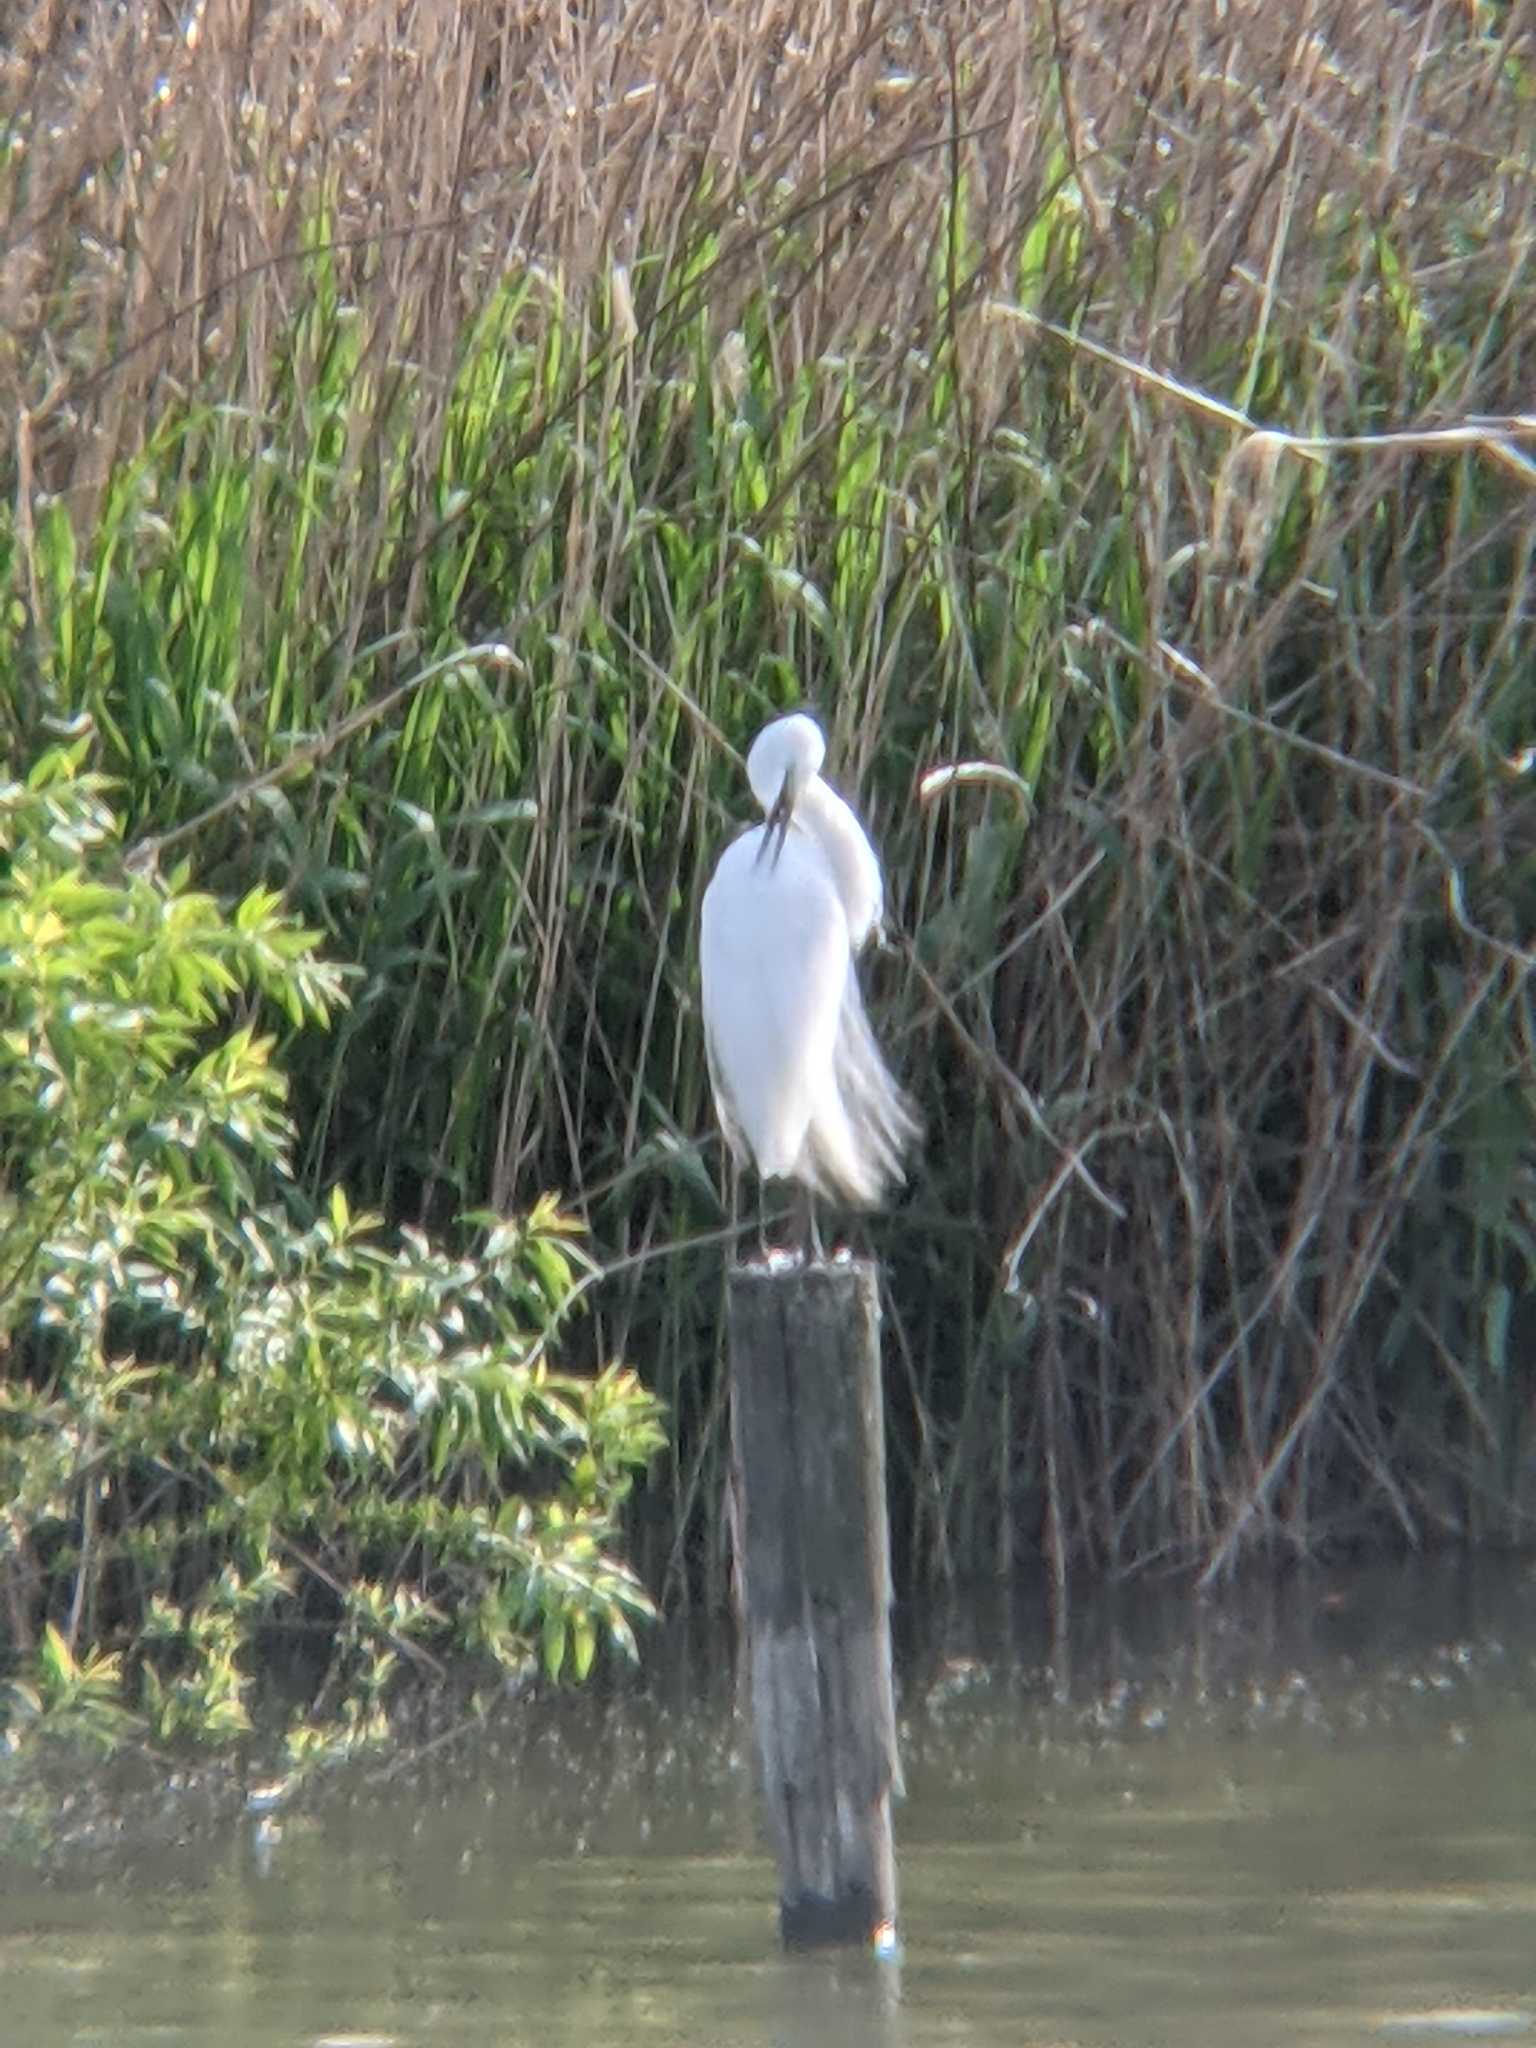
{"x": 733, "y": 1203}
{"x": 812, "y": 1249}
{"x": 737, "y": 1175}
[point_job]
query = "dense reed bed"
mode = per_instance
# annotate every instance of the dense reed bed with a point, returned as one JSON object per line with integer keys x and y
{"x": 1058, "y": 386}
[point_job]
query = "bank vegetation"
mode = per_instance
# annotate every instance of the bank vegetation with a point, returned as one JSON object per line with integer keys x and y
{"x": 437, "y": 438}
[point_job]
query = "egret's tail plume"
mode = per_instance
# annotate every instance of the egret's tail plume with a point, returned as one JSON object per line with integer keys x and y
{"x": 857, "y": 1143}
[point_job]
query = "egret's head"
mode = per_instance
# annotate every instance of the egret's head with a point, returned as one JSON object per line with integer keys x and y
{"x": 790, "y": 748}
{"x": 783, "y": 758}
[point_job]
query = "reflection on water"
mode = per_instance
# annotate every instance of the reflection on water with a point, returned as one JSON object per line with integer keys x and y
{"x": 1304, "y": 1815}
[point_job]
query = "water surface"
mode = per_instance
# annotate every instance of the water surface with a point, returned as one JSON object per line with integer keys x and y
{"x": 1303, "y": 1815}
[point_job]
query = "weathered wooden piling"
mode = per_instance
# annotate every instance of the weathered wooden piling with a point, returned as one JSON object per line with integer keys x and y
{"x": 808, "y": 1454}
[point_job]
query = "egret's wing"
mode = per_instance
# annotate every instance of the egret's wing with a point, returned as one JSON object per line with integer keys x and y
{"x": 854, "y": 864}
{"x": 774, "y": 964}
{"x": 725, "y": 1106}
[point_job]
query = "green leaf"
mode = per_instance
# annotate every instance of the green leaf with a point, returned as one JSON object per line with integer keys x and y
{"x": 583, "y": 1639}
{"x": 552, "y": 1641}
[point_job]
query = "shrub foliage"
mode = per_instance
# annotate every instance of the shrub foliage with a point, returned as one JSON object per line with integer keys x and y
{"x": 228, "y": 1417}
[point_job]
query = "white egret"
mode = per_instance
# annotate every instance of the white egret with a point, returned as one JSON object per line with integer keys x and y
{"x": 800, "y": 1086}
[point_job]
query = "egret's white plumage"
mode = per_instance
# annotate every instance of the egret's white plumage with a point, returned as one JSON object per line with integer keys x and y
{"x": 800, "y": 1085}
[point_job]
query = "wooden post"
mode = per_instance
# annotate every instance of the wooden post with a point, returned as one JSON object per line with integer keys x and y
{"x": 808, "y": 1459}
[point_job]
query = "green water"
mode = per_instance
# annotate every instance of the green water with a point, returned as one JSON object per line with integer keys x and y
{"x": 1302, "y": 1817}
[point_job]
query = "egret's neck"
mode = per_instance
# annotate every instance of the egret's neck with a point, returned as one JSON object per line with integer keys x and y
{"x": 821, "y": 812}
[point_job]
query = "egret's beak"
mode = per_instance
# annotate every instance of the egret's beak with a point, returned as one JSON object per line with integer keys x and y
{"x": 778, "y": 822}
